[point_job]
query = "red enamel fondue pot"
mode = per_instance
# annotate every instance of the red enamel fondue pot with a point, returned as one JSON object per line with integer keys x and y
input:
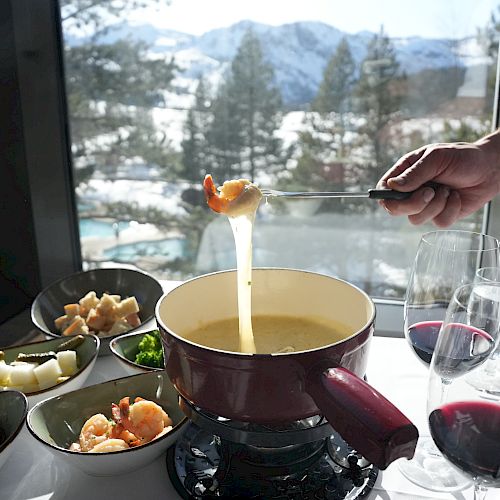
{"x": 277, "y": 388}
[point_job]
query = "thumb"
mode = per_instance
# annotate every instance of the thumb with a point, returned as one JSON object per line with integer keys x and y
{"x": 421, "y": 172}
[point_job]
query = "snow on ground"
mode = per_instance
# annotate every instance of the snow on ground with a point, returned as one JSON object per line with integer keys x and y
{"x": 161, "y": 195}
{"x": 171, "y": 122}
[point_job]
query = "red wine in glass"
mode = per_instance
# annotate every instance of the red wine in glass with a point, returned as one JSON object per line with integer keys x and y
{"x": 422, "y": 325}
{"x": 423, "y": 337}
{"x": 468, "y": 434}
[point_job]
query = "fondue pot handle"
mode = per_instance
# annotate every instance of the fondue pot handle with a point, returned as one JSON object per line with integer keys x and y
{"x": 364, "y": 418}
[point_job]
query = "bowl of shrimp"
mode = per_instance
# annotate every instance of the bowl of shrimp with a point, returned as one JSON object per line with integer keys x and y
{"x": 113, "y": 427}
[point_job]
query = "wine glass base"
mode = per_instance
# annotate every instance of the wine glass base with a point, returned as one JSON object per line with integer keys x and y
{"x": 430, "y": 470}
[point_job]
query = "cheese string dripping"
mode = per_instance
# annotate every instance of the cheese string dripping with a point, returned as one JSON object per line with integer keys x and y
{"x": 242, "y": 227}
{"x": 239, "y": 200}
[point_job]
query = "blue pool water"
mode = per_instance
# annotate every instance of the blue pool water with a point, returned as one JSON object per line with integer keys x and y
{"x": 170, "y": 247}
{"x": 100, "y": 227}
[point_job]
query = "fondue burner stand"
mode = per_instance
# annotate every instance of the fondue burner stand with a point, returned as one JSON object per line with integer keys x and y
{"x": 306, "y": 459}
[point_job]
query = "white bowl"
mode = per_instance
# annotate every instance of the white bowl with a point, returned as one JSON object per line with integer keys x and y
{"x": 56, "y": 422}
{"x": 86, "y": 355}
{"x": 125, "y": 348}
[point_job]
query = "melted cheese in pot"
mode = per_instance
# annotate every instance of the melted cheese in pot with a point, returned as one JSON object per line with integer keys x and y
{"x": 272, "y": 334}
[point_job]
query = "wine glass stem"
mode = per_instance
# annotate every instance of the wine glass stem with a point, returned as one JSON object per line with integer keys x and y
{"x": 479, "y": 491}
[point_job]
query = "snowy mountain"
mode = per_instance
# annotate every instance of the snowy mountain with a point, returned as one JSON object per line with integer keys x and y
{"x": 298, "y": 52}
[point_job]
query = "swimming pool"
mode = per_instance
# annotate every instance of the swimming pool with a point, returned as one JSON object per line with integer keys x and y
{"x": 170, "y": 247}
{"x": 101, "y": 227}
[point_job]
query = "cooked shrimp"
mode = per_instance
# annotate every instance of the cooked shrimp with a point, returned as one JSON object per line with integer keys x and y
{"x": 110, "y": 445}
{"x": 94, "y": 431}
{"x": 167, "y": 421}
{"x": 144, "y": 418}
{"x": 163, "y": 432}
{"x": 236, "y": 197}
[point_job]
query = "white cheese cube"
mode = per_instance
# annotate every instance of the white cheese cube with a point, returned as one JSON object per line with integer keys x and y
{"x": 5, "y": 370}
{"x": 67, "y": 362}
{"x": 27, "y": 388}
{"x": 22, "y": 374}
{"x": 48, "y": 373}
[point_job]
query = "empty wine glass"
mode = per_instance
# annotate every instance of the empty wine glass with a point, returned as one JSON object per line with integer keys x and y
{"x": 464, "y": 420}
{"x": 444, "y": 261}
{"x": 489, "y": 380}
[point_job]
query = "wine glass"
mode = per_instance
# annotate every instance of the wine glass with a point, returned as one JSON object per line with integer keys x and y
{"x": 464, "y": 419}
{"x": 488, "y": 377}
{"x": 444, "y": 261}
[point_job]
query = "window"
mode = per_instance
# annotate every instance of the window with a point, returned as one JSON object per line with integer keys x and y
{"x": 315, "y": 98}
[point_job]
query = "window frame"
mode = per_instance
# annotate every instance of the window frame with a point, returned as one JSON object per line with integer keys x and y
{"x": 38, "y": 35}
{"x": 45, "y": 131}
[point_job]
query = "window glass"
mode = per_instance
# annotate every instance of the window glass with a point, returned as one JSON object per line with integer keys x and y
{"x": 307, "y": 96}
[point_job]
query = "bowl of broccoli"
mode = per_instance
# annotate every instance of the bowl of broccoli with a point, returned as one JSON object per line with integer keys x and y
{"x": 139, "y": 352}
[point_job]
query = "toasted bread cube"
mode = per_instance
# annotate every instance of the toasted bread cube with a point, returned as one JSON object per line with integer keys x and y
{"x": 47, "y": 373}
{"x": 95, "y": 321}
{"x": 89, "y": 301}
{"x": 119, "y": 326}
{"x": 116, "y": 298}
{"x": 127, "y": 306}
{"x": 62, "y": 322}
{"x": 106, "y": 306}
{"x": 76, "y": 327}
{"x": 72, "y": 310}
{"x": 5, "y": 370}
{"x": 133, "y": 320}
{"x": 22, "y": 374}
{"x": 67, "y": 362}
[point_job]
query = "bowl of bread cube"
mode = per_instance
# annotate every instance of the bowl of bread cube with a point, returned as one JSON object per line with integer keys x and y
{"x": 48, "y": 368}
{"x": 104, "y": 302}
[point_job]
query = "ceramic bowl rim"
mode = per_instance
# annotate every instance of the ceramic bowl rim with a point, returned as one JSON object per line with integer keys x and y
{"x": 20, "y": 424}
{"x": 121, "y": 357}
{"x": 96, "y": 343}
{"x": 79, "y": 273}
{"x": 175, "y": 428}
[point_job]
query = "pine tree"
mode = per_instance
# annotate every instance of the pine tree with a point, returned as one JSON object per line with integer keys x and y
{"x": 378, "y": 100}
{"x": 246, "y": 114}
{"x": 111, "y": 88}
{"x": 224, "y": 137}
{"x": 322, "y": 152}
{"x": 334, "y": 94}
{"x": 195, "y": 162}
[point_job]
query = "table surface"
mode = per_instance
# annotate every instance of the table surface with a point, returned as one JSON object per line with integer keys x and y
{"x": 31, "y": 472}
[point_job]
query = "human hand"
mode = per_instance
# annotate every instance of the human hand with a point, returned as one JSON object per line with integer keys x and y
{"x": 467, "y": 175}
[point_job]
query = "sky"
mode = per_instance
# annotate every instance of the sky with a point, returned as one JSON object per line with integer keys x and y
{"x": 400, "y": 18}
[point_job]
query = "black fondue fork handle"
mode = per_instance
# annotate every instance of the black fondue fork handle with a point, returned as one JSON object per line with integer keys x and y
{"x": 388, "y": 194}
{"x": 391, "y": 194}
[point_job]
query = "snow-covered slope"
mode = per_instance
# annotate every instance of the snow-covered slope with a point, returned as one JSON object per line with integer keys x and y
{"x": 298, "y": 51}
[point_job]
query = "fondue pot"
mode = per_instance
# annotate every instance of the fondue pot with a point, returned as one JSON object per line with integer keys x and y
{"x": 284, "y": 387}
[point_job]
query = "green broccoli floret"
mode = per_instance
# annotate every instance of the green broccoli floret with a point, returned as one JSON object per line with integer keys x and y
{"x": 150, "y": 342}
{"x": 150, "y": 350}
{"x": 150, "y": 358}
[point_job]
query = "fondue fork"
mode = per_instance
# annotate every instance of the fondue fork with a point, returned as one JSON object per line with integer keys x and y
{"x": 375, "y": 194}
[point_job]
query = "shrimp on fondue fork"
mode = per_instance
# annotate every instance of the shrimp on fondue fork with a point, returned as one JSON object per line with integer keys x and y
{"x": 239, "y": 199}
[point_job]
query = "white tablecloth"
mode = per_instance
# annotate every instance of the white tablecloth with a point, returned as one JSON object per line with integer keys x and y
{"x": 31, "y": 472}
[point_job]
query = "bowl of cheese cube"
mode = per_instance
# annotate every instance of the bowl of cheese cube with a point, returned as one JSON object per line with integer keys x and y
{"x": 103, "y": 302}
{"x": 48, "y": 368}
